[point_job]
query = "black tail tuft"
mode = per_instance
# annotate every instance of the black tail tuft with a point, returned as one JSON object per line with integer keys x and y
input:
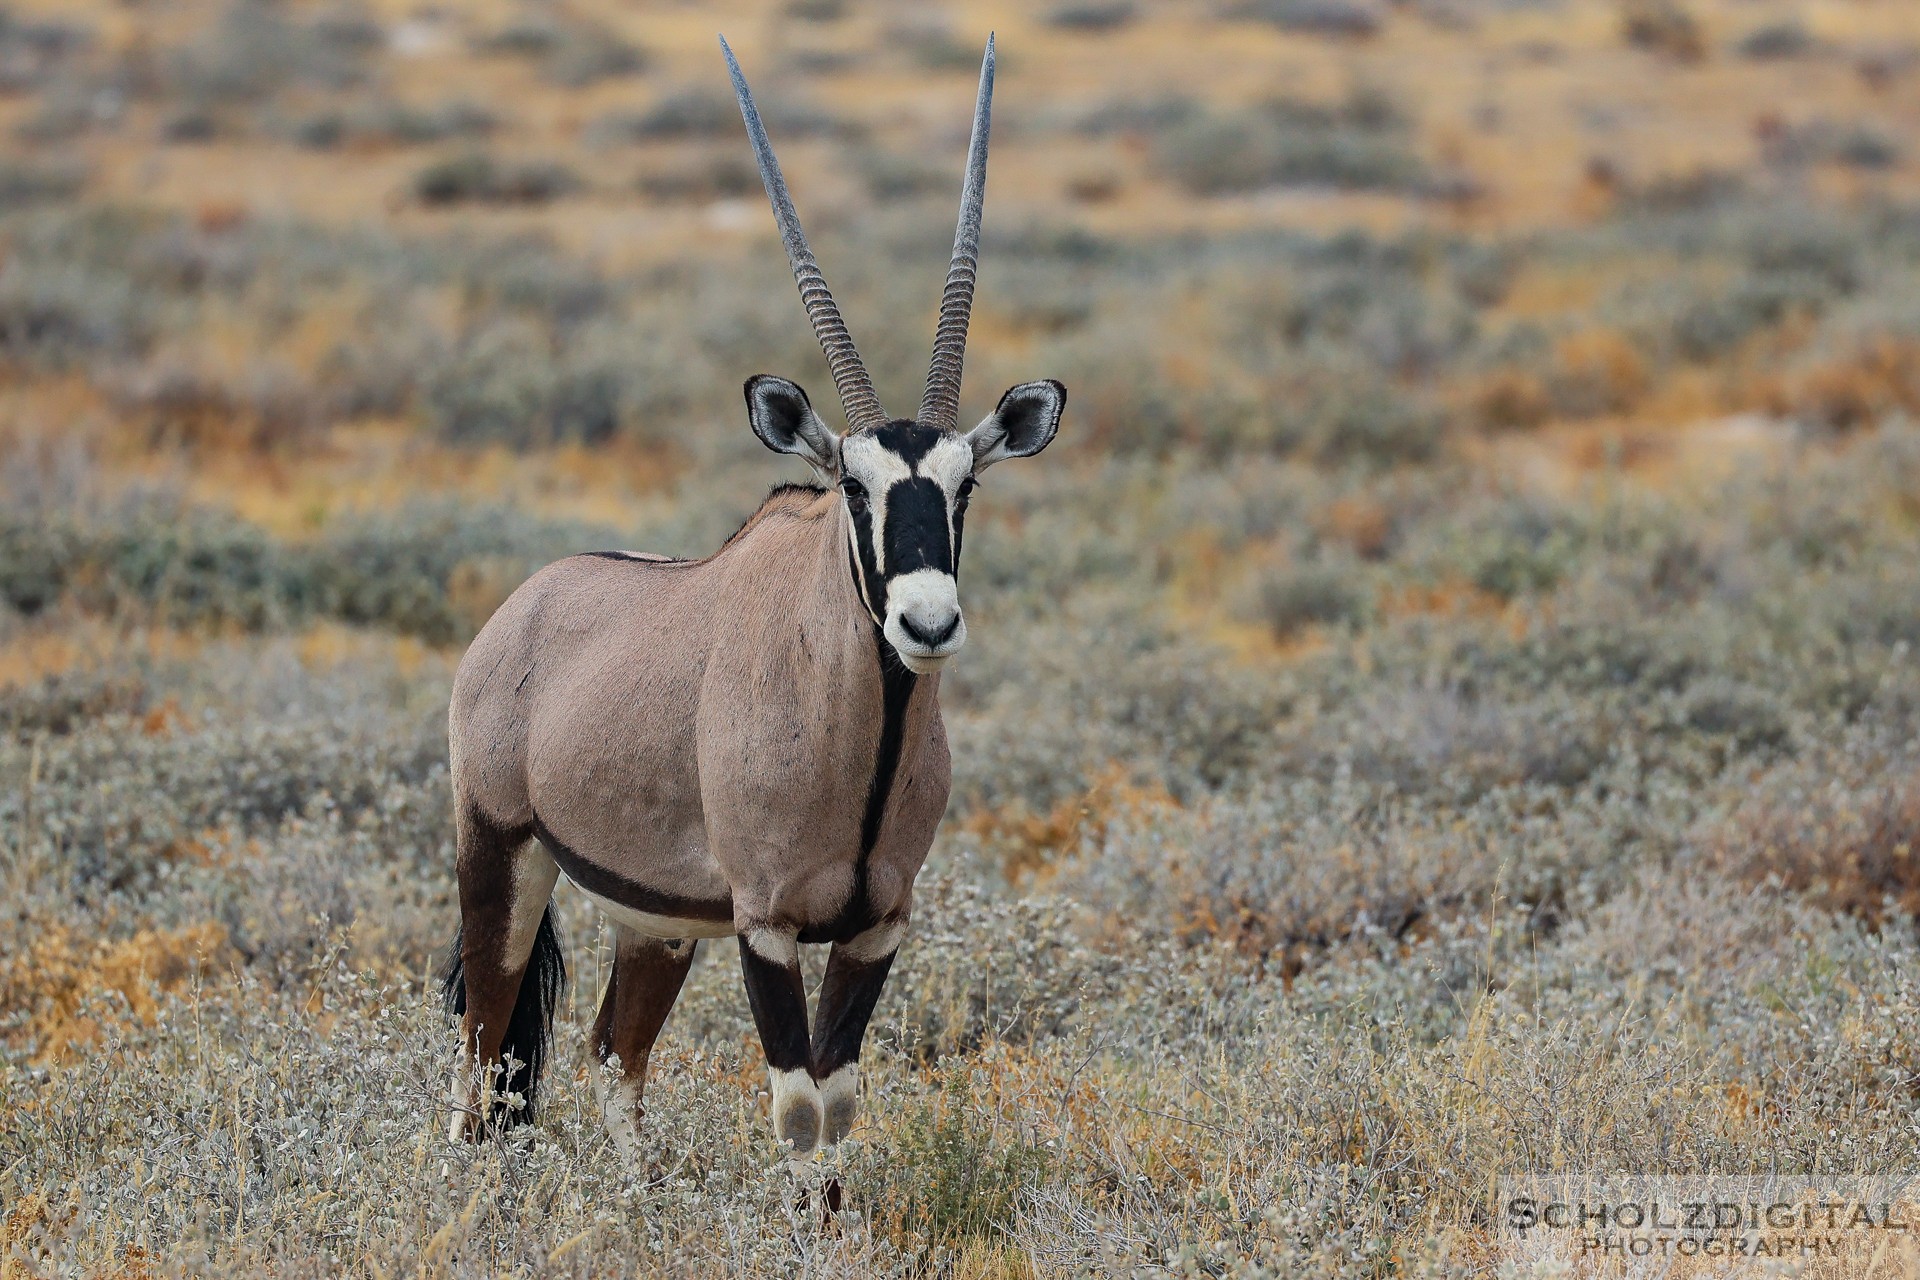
{"x": 453, "y": 977}
{"x": 530, "y": 1028}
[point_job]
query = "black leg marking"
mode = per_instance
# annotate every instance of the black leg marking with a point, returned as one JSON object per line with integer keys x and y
{"x": 778, "y": 999}
{"x": 770, "y": 963}
{"x": 848, "y": 994}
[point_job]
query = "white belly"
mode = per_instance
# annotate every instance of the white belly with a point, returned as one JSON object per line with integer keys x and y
{"x": 656, "y": 926}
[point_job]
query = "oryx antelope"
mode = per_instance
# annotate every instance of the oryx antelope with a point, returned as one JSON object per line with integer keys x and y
{"x": 747, "y": 744}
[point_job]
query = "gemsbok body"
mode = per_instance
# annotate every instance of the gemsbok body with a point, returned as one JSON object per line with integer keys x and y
{"x": 748, "y": 744}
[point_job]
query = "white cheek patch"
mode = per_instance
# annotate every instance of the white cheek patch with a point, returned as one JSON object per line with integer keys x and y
{"x": 859, "y": 576}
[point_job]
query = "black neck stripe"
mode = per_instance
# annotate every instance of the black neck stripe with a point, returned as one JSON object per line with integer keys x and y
{"x": 896, "y": 686}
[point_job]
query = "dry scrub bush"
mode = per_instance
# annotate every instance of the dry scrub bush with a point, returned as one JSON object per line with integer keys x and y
{"x": 1577, "y": 839}
{"x": 1346, "y": 349}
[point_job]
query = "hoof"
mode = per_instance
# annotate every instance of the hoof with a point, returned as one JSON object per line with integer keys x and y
{"x": 465, "y": 1127}
{"x": 468, "y": 1100}
{"x": 796, "y": 1111}
{"x": 621, "y": 1111}
{"x": 840, "y": 1097}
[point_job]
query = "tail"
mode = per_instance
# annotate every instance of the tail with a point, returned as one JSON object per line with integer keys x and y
{"x": 530, "y": 1027}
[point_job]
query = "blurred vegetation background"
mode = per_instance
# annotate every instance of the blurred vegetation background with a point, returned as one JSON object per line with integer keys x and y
{"x": 1444, "y": 707}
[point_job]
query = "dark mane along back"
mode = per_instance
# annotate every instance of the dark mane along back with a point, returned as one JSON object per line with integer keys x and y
{"x": 635, "y": 557}
{"x": 782, "y": 498}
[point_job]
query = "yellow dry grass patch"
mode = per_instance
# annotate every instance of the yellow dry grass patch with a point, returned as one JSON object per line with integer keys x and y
{"x": 985, "y": 1260}
{"x": 1030, "y": 844}
{"x": 382, "y": 465}
{"x": 1510, "y": 99}
{"x": 32, "y": 652}
{"x": 58, "y": 978}
{"x": 1199, "y": 604}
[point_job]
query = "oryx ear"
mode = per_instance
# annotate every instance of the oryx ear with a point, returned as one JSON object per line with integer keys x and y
{"x": 1021, "y": 425}
{"x": 784, "y": 419}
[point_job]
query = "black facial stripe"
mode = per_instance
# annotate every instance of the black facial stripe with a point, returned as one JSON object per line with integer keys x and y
{"x": 869, "y": 572}
{"x": 917, "y": 535}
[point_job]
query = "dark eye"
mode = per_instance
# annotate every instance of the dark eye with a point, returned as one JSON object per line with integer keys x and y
{"x": 966, "y": 491}
{"x": 856, "y": 493}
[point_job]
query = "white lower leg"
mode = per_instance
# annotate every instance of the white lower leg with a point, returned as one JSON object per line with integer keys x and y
{"x": 621, "y": 1110}
{"x": 468, "y": 1100}
{"x": 796, "y": 1110}
{"x": 840, "y": 1100}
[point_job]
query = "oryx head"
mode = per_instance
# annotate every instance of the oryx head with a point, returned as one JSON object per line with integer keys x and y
{"x": 905, "y": 481}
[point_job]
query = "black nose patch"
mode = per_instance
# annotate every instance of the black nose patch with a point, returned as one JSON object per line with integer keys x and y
{"x": 916, "y": 534}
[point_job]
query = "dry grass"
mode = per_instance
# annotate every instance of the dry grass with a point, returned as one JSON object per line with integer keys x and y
{"x": 1444, "y": 709}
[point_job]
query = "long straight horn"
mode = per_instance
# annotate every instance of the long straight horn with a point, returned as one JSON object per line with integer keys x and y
{"x": 857, "y": 397}
{"x": 940, "y": 406}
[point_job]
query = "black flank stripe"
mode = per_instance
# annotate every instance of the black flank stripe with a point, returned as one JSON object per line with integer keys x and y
{"x": 595, "y": 878}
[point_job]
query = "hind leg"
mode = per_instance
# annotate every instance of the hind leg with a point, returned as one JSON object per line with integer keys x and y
{"x": 647, "y": 973}
{"x": 506, "y": 879}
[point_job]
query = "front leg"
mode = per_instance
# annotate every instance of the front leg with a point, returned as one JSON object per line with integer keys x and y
{"x": 856, "y": 970}
{"x": 770, "y": 963}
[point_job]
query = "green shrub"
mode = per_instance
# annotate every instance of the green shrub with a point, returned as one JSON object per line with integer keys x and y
{"x": 257, "y": 50}
{"x": 723, "y": 176}
{"x": 474, "y": 177}
{"x": 1359, "y": 144}
{"x": 967, "y": 1174}
{"x": 1093, "y": 15}
{"x": 1776, "y": 40}
{"x": 1518, "y": 550}
{"x": 1293, "y": 599}
{"x": 571, "y": 52}
{"x": 1350, "y": 18}
{"x": 395, "y": 124}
